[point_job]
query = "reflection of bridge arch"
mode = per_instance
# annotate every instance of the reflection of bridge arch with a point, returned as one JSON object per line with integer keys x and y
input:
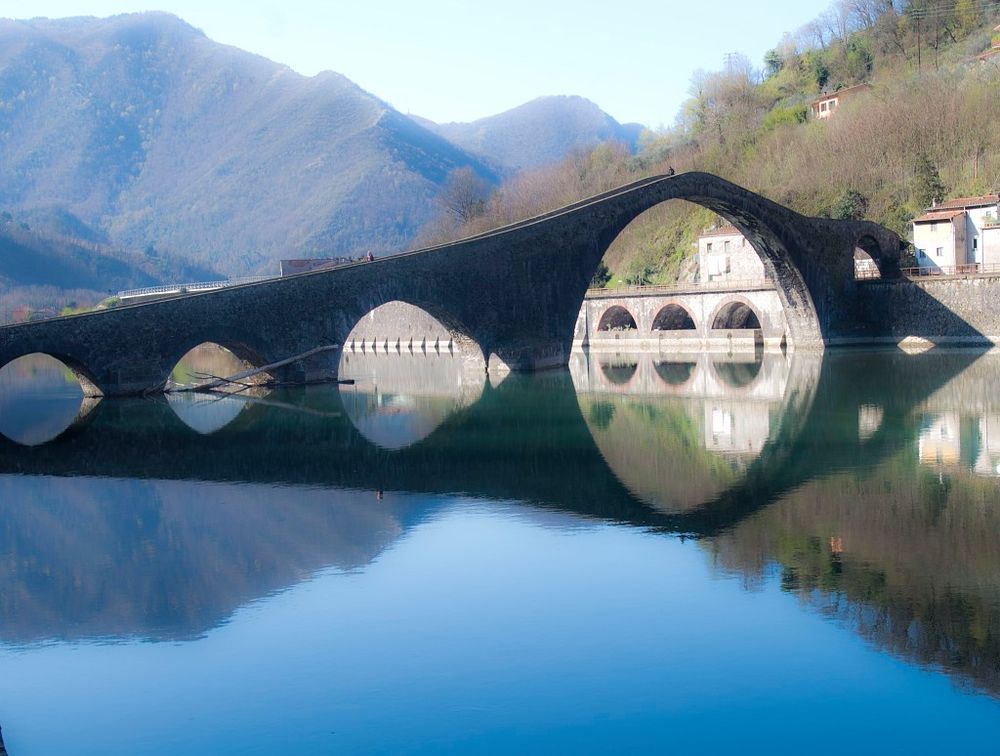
{"x": 706, "y": 432}
{"x": 739, "y": 376}
{"x": 620, "y": 371}
{"x": 676, "y": 374}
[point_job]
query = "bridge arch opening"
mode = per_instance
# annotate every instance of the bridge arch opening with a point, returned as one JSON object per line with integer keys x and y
{"x": 398, "y": 327}
{"x": 210, "y": 360}
{"x": 673, "y": 317}
{"x": 867, "y": 259}
{"x": 736, "y": 315}
{"x": 41, "y": 397}
{"x": 617, "y": 318}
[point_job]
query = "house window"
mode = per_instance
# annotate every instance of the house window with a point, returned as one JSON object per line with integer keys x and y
{"x": 725, "y": 246}
{"x": 728, "y": 270}
{"x": 975, "y": 243}
{"x": 833, "y": 104}
{"x": 940, "y": 251}
{"x": 708, "y": 247}
{"x": 822, "y": 107}
{"x": 934, "y": 228}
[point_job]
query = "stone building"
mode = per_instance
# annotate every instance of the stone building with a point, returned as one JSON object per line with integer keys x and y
{"x": 724, "y": 254}
{"x": 959, "y": 235}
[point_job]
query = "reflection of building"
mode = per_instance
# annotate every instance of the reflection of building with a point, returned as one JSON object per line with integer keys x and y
{"x": 725, "y": 254}
{"x": 939, "y": 442}
{"x": 958, "y": 232}
{"x": 737, "y": 427}
{"x": 987, "y": 461}
{"x": 869, "y": 420}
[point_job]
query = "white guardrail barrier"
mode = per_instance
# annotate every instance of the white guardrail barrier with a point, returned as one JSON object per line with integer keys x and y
{"x": 187, "y": 288}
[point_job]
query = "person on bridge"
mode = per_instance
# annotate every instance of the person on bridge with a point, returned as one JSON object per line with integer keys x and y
{"x": 671, "y": 171}
{"x": 369, "y": 257}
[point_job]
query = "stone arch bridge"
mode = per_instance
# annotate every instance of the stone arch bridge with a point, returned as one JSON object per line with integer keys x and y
{"x": 510, "y": 297}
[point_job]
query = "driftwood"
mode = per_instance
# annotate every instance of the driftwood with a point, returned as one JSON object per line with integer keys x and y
{"x": 217, "y": 382}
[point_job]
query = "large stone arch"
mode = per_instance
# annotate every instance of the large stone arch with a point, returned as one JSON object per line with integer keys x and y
{"x": 514, "y": 292}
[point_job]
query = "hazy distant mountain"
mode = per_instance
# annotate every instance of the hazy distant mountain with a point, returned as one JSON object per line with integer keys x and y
{"x": 57, "y": 250}
{"x": 539, "y": 132}
{"x": 152, "y": 134}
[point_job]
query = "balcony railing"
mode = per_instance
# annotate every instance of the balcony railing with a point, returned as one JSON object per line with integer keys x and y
{"x": 736, "y": 284}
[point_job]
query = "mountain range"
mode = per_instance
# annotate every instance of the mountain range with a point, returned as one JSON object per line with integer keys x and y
{"x": 139, "y": 131}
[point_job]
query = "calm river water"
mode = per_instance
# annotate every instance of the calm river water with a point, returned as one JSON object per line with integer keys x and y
{"x": 789, "y": 554}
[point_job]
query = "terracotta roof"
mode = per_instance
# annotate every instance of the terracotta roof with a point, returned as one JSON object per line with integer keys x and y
{"x": 727, "y": 230}
{"x": 964, "y": 202}
{"x": 846, "y": 90}
{"x": 936, "y": 216}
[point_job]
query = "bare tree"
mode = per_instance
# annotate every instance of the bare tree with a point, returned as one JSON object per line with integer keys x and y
{"x": 464, "y": 194}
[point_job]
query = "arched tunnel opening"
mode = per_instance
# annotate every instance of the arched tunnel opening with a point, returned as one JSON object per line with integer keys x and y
{"x": 867, "y": 257}
{"x": 40, "y": 397}
{"x": 673, "y": 317}
{"x": 617, "y": 318}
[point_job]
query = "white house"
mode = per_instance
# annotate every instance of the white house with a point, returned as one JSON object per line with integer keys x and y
{"x": 959, "y": 235}
{"x": 824, "y": 105}
{"x": 724, "y": 254}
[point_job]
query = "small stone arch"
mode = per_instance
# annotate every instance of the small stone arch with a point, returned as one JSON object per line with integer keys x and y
{"x": 867, "y": 259}
{"x": 674, "y": 317}
{"x": 617, "y": 318}
{"x": 736, "y": 315}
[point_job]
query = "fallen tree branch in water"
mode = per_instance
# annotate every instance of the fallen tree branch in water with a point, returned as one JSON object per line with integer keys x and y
{"x": 238, "y": 379}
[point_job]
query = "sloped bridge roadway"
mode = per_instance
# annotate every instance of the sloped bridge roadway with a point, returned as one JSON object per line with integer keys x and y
{"x": 509, "y": 297}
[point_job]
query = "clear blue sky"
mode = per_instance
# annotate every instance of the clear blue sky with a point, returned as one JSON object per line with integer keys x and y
{"x": 450, "y": 60}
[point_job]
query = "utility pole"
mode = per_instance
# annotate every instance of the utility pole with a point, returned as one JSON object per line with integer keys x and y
{"x": 918, "y": 14}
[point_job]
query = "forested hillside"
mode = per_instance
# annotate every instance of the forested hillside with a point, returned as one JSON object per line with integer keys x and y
{"x": 156, "y": 136}
{"x": 925, "y": 128}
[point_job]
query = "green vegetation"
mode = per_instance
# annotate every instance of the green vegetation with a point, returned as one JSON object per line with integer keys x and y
{"x": 924, "y": 128}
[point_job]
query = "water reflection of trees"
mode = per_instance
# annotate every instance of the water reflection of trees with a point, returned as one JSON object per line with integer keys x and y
{"x": 906, "y": 559}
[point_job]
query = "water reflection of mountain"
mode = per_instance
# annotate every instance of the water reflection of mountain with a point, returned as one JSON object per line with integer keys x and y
{"x": 91, "y": 558}
{"x": 813, "y": 469}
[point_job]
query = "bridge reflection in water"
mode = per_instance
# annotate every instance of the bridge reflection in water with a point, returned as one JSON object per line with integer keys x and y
{"x": 876, "y": 501}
